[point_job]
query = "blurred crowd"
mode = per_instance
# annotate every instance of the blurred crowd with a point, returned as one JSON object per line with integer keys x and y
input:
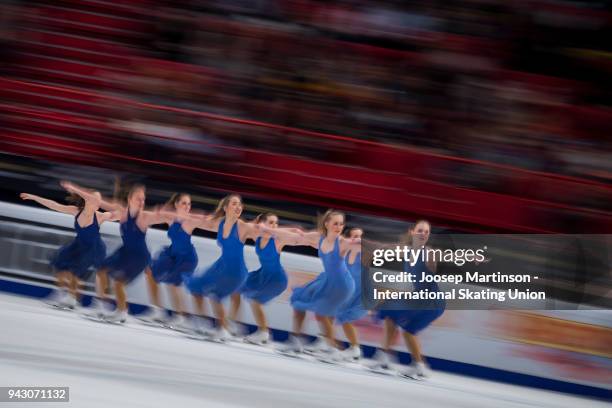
{"x": 506, "y": 82}
{"x": 518, "y": 83}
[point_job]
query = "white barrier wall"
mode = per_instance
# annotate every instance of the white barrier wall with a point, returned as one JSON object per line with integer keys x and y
{"x": 572, "y": 346}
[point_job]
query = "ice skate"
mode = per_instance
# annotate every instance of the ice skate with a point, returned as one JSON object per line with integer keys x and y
{"x": 352, "y": 353}
{"x": 234, "y": 328}
{"x": 96, "y": 311}
{"x": 179, "y": 323}
{"x": 154, "y": 316}
{"x": 292, "y": 347}
{"x": 330, "y": 355}
{"x": 380, "y": 363}
{"x": 260, "y": 338}
{"x": 117, "y": 317}
{"x": 316, "y": 346}
{"x": 63, "y": 300}
{"x": 416, "y": 371}
{"x": 219, "y": 335}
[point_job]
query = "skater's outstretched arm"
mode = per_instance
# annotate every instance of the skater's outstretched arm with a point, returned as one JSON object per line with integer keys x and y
{"x": 107, "y": 216}
{"x": 94, "y": 198}
{"x": 311, "y": 238}
{"x": 164, "y": 215}
{"x": 248, "y": 230}
{"x": 153, "y": 217}
{"x": 284, "y": 236}
{"x": 168, "y": 215}
{"x": 53, "y": 205}
{"x": 87, "y": 194}
{"x": 208, "y": 222}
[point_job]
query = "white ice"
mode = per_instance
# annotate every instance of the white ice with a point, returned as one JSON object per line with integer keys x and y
{"x": 139, "y": 366}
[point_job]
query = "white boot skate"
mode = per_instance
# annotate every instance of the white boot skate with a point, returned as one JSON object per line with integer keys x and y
{"x": 220, "y": 335}
{"x": 155, "y": 316}
{"x": 201, "y": 326}
{"x": 380, "y": 362}
{"x": 68, "y": 302}
{"x": 56, "y": 297}
{"x": 292, "y": 346}
{"x": 260, "y": 337}
{"x": 96, "y": 311}
{"x": 353, "y": 353}
{"x": 320, "y": 344}
{"x": 416, "y": 371}
{"x": 179, "y": 323}
{"x": 117, "y": 317}
{"x": 330, "y": 355}
{"x": 234, "y": 328}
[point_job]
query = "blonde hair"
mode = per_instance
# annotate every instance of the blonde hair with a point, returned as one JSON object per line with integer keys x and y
{"x": 220, "y": 210}
{"x": 322, "y": 219}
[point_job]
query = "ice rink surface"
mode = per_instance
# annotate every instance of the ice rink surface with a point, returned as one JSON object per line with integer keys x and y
{"x": 139, "y": 366}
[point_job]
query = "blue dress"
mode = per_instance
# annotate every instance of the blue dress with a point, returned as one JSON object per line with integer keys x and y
{"x": 176, "y": 262}
{"x": 417, "y": 318}
{"x": 353, "y": 309}
{"x": 328, "y": 291}
{"x": 133, "y": 256}
{"x": 86, "y": 250}
{"x": 227, "y": 274}
{"x": 270, "y": 280}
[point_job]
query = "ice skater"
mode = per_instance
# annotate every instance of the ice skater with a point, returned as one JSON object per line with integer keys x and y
{"x": 329, "y": 290}
{"x": 131, "y": 258}
{"x": 227, "y": 274}
{"x": 174, "y": 264}
{"x": 352, "y": 310}
{"x": 411, "y": 320}
{"x": 73, "y": 262}
{"x": 270, "y": 280}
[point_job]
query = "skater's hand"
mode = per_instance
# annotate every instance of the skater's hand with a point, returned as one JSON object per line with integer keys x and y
{"x": 67, "y": 185}
{"x": 26, "y": 196}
